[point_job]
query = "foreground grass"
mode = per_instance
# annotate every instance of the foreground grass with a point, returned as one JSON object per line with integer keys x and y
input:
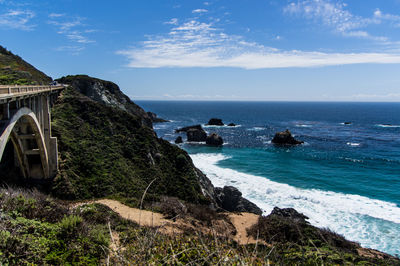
{"x": 36, "y": 229}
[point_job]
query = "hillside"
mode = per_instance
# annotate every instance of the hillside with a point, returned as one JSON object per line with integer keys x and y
{"x": 105, "y": 92}
{"x": 105, "y": 151}
{"x": 14, "y": 70}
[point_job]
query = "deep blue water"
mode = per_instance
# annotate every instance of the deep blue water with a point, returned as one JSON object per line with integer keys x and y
{"x": 346, "y": 177}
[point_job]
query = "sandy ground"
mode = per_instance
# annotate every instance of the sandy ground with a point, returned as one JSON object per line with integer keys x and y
{"x": 241, "y": 221}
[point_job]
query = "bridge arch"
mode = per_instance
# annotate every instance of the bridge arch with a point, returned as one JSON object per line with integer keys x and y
{"x": 24, "y": 130}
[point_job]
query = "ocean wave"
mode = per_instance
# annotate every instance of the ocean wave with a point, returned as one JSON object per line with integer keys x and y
{"x": 353, "y": 144}
{"x": 388, "y": 125}
{"x": 303, "y": 125}
{"x": 256, "y": 128}
{"x": 373, "y": 223}
{"x": 224, "y": 126}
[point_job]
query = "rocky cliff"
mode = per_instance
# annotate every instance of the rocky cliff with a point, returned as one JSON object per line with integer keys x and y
{"x": 106, "y": 92}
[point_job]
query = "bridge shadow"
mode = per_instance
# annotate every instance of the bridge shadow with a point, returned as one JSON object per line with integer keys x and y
{"x": 11, "y": 173}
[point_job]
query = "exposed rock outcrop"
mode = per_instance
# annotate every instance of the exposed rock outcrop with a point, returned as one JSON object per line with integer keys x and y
{"x": 214, "y": 140}
{"x": 285, "y": 138}
{"x": 215, "y": 122}
{"x": 156, "y": 119}
{"x": 178, "y": 140}
{"x": 230, "y": 199}
{"x": 231, "y": 125}
{"x": 106, "y": 92}
{"x": 196, "y": 135}
{"x": 290, "y": 213}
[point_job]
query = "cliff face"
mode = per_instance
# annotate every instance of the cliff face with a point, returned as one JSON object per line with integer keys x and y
{"x": 106, "y": 151}
{"x": 106, "y": 92}
{"x": 14, "y": 70}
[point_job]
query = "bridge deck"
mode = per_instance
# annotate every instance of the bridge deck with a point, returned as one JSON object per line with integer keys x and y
{"x": 9, "y": 92}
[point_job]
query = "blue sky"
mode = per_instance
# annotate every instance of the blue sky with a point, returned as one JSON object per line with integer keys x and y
{"x": 302, "y": 50}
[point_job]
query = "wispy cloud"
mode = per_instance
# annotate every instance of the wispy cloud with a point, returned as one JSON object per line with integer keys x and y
{"x": 173, "y": 21}
{"x": 200, "y": 10}
{"x": 72, "y": 49}
{"x": 199, "y": 44}
{"x": 17, "y": 19}
{"x": 73, "y": 29}
{"x": 56, "y": 15}
{"x": 338, "y": 18}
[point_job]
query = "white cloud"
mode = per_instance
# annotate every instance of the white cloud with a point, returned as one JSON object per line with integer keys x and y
{"x": 335, "y": 16}
{"x": 199, "y": 44}
{"x": 56, "y": 15}
{"x": 173, "y": 21}
{"x": 199, "y": 11}
{"x": 17, "y": 19}
{"x": 72, "y": 29}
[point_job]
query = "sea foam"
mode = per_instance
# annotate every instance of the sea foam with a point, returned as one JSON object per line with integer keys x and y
{"x": 373, "y": 223}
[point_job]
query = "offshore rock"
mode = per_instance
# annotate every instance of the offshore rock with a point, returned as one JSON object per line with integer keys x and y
{"x": 185, "y": 129}
{"x": 285, "y": 138}
{"x": 196, "y": 135}
{"x": 230, "y": 199}
{"x": 231, "y": 125}
{"x": 179, "y": 140}
{"x": 215, "y": 122}
{"x": 214, "y": 140}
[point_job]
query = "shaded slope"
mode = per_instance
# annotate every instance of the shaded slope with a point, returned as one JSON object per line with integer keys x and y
{"x": 14, "y": 70}
{"x": 106, "y": 151}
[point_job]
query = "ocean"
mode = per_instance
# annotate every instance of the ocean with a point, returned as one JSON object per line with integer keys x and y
{"x": 345, "y": 177}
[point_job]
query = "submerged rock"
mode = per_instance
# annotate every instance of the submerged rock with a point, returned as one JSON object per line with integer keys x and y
{"x": 196, "y": 135}
{"x": 230, "y": 199}
{"x": 285, "y": 138}
{"x": 215, "y": 122}
{"x": 214, "y": 140}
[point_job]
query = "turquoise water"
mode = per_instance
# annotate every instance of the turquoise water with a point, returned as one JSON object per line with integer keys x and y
{"x": 345, "y": 177}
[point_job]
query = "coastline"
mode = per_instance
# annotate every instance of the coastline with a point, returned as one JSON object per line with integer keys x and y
{"x": 343, "y": 213}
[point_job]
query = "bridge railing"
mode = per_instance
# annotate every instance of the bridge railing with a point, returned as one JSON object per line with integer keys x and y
{"x": 7, "y": 89}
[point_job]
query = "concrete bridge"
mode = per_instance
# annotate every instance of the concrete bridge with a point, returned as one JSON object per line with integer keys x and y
{"x": 25, "y": 121}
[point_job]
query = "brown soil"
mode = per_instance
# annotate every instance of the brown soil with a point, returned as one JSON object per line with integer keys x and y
{"x": 240, "y": 221}
{"x": 243, "y": 221}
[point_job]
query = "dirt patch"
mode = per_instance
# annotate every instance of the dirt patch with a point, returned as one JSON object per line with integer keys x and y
{"x": 243, "y": 221}
{"x": 240, "y": 221}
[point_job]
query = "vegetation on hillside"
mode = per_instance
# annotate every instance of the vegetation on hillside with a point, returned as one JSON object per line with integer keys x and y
{"x": 105, "y": 92}
{"x": 36, "y": 229}
{"x": 14, "y": 70}
{"x": 105, "y": 151}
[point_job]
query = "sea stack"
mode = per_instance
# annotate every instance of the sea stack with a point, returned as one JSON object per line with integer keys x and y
{"x": 214, "y": 140}
{"x": 195, "y": 134}
{"x": 215, "y": 122}
{"x": 285, "y": 138}
{"x": 178, "y": 140}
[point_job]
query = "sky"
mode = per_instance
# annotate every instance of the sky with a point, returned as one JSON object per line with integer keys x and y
{"x": 247, "y": 50}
